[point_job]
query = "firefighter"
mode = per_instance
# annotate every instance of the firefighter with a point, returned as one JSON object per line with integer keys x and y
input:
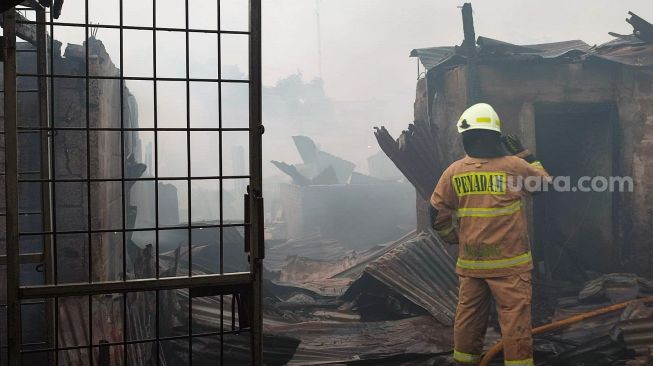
{"x": 477, "y": 204}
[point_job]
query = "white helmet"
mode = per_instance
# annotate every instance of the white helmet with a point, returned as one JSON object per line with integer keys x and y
{"x": 480, "y": 116}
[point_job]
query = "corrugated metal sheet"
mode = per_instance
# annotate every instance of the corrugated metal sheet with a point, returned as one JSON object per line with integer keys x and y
{"x": 333, "y": 277}
{"x": 543, "y": 50}
{"x": 626, "y": 50}
{"x": 433, "y": 56}
{"x": 638, "y": 334}
{"x": 313, "y": 247}
{"x": 560, "y": 49}
{"x": 329, "y": 342}
{"x": 622, "y": 40}
{"x": 422, "y": 271}
{"x": 372, "y": 255}
{"x": 631, "y": 55}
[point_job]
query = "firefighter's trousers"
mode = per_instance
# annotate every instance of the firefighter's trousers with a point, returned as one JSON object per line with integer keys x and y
{"x": 512, "y": 295}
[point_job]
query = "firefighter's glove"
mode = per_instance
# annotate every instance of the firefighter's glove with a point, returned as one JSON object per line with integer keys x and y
{"x": 512, "y": 144}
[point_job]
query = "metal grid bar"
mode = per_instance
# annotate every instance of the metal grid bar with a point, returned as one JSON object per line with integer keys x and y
{"x": 246, "y": 281}
{"x": 220, "y": 161}
{"x": 132, "y": 342}
{"x": 83, "y": 180}
{"x": 147, "y": 179}
{"x": 257, "y": 246}
{"x": 133, "y": 27}
{"x": 123, "y": 198}
{"x": 46, "y": 197}
{"x": 117, "y": 230}
{"x": 171, "y": 283}
{"x": 157, "y": 331}
{"x": 54, "y": 189}
{"x": 144, "y": 129}
{"x": 189, "y": 187}
{"x": 11, "y": 188}
{"x": 136, "y": 78}
{"x": 89, "y": 200}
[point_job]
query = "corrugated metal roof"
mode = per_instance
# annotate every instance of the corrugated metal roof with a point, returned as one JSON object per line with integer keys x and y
{"x": 329, "y": 342}
{"x": 638, "y": 334}
{"x": 622, "y": 40}
{"x": 433, "y": 56}
{"x": 631, "y": 55}
{"x": 544, "y": 50}
{"x": 559, "y": 49}
{"x": 626, "y": 50}
{"x": 422, "y": 271}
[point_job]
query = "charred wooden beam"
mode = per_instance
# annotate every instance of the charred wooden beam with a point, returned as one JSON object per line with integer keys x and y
{"x": 469, "y": 43}
{"x": 414, "y": 156}
{"x": 641, "y": 28}
{"x": 25, "y": 31}
{"x": 9, "y": 4}
{"x": 469, "y": 49}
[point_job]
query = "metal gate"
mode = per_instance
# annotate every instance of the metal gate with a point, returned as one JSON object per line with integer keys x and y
{"x": 132, "y": 172}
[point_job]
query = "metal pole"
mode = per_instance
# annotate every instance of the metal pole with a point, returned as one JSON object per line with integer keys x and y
{"x": 46, "y": 198}
{"x": 11, "y": 189}
{"x": 257, "y": 249}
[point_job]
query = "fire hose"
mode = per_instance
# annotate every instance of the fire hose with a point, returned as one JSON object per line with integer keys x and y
{"x": 563, "y": 322}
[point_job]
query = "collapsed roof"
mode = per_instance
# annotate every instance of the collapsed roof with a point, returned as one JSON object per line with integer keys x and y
{"x": 318, "y": 168}
{"x": 634, "y": 50}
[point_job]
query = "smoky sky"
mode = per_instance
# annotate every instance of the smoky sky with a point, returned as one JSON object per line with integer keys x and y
{"x": 365, "y": 43}
{"x": 364, "y": 47}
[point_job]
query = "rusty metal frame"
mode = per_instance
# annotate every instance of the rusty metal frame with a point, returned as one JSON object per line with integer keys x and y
{"x": 255, "y": 190}
{"x": 245, "y": 283}
{"x": 11, "y": 188}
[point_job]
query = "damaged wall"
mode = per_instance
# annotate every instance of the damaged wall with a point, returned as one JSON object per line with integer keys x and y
{"x": 72, "y": 149}
{"x": 518, "y": 90}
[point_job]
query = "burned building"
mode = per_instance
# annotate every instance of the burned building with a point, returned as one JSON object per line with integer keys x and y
{"x": 327, "y": 198}
{"x": 584, "y": 111}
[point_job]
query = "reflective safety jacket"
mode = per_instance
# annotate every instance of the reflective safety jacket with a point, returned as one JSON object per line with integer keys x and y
{"x": 479, "y": 203}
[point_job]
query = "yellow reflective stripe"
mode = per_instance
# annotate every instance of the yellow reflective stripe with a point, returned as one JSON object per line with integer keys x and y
{"x": 526, "y": 362}
{"x": 537, "y": 164}
{"x": 484, "y": 119}
{"x": 489, "y": 212}
{"x": 465, "y": 357}
{"x": 495, "y": 263}
{"x": 445, "y": 232}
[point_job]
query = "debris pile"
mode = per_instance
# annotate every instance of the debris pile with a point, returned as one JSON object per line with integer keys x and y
{"x": 532, "y": 86}
{"x": 608, "y": 339}
{"x": 328, "y": 200}
{"x": 385, "y": 305}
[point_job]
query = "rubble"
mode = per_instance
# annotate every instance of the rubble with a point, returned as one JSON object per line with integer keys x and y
{"x": 329, "y": 200}
{"x": 417, "y": 273}
{"x": 349, "y": 302}
{"x": 373, "y": 343}
{"x": 616, "y": 287}
{"x": 581, "y": 261}
{"x": 541, "y": 90}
